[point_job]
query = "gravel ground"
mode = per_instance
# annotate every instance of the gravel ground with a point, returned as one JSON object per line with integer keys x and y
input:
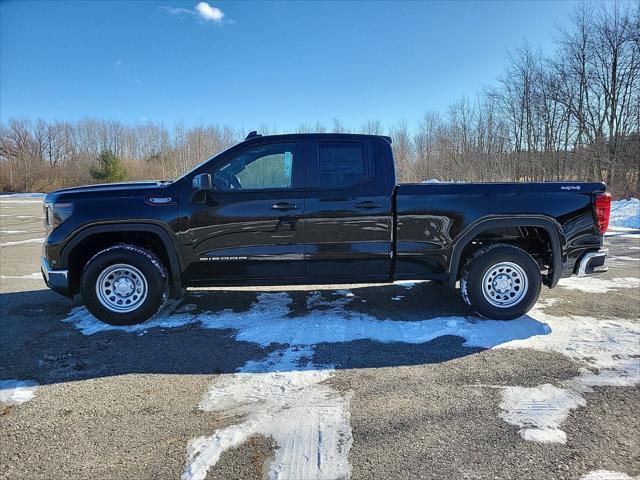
{"x": 125, "y": 405}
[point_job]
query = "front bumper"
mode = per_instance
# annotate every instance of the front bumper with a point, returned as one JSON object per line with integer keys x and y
{"x": 56, "y": 280}
{"x": 592, "y": 262}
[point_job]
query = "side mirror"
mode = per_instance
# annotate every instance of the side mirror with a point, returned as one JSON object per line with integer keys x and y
{"x": 202, "y": 183}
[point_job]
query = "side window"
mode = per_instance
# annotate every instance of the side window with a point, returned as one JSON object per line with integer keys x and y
{"x": 341, "y": 164}
{"x": 260, "y": 168}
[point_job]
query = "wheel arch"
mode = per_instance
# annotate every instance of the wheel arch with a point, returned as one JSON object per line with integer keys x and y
{"x": 175, "y": 263}
{"x": 551, "y": 226}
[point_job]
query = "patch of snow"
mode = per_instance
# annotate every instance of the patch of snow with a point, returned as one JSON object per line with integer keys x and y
{"x": 268, "y": 321}
{"x": 18, "y": 201}
{"x": 609, "y": 347}
{"x": 625, "y": 213}
{"x": 397, "y": 298}
{"x": 543, "y": 435}
{"x": 20, "y": 242}
{"x": 539, "y": 410}
{"x": 285, "y": 395}
{"x": 605, "y": 475}
{"x": 15, "y": 392}
{"x": 29, "y": 276}
{"x": 12, "y": 232}
{"x": 284, "y": 399}
{"x": 622, "y": 232}
{"x": 624, "y": 258}
{"x": 81, "y": 319}
{"x": 22, "y": 195}
{"x": 615, "y": 229}
{"x": 590, "y": 284}
{"x": 435, "y": 180}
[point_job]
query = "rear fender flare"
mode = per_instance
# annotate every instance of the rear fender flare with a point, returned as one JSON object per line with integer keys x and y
{"x": 550, "y": 225}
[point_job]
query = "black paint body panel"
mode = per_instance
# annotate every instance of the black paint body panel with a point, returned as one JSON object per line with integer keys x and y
{"x": 371, "y": 232}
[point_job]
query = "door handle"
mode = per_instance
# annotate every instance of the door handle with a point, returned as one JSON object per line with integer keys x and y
{"x": 284, "y": 206}
{"x": 368, "y": 205}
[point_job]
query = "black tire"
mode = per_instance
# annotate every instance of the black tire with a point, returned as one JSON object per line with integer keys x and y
{"x": 486, "y": 260}
{"x": 143, "y": 262}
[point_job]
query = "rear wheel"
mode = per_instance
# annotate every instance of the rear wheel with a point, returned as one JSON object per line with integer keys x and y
{"x": 500, "y": 282}
{"x": 124, "y": 285}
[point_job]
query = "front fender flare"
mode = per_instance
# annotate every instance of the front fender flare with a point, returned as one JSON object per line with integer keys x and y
{"x": 176, "y": 262}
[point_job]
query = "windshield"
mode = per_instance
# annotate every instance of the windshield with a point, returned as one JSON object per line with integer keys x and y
{"x": 202, "y": 163}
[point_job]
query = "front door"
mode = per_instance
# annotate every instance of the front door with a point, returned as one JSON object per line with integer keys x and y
{"x": 248, "y": 227}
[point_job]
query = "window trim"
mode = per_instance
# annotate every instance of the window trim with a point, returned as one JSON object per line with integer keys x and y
{"x": 313, "y": 173}
{"x": 298, "y": 153}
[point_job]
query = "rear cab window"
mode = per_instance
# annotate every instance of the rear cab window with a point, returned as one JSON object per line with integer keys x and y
{"x": 340, "y": 165}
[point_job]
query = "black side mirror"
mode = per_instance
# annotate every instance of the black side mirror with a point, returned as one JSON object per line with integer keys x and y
{"x": 202, "y": 183}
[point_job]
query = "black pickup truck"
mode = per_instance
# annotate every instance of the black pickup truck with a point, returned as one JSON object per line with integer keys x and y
{"x": 311, "y": 209}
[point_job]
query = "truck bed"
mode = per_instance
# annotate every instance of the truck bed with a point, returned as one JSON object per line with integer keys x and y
{"x": 432, "y": 218}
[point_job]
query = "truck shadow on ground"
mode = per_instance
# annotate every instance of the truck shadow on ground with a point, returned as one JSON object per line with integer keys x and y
{"x": 41, "y": 344}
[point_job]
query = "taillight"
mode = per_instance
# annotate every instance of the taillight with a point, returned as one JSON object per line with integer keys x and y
{"x": 603, "y": 211}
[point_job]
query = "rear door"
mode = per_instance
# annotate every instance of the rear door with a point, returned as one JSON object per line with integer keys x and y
{"x": 348, "y": 222}
{"x": 248, "y": 228}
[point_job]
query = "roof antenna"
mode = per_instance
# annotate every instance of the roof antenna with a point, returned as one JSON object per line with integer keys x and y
{"x": 253, "y": 134}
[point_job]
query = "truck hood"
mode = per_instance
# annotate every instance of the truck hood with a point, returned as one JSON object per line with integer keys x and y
{"x": 107, "y": 189}
{"x": 101, "y": 187}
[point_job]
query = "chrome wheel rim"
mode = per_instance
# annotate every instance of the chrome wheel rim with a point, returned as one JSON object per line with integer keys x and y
{"x": 505, "y": 284}
{"x": 121, "y": 288}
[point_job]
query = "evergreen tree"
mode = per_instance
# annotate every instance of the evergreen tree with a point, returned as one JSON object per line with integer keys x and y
{"x": 110, "y": 168}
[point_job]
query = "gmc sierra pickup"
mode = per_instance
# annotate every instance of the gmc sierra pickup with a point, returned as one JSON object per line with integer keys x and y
{"x": 311, "y": 209}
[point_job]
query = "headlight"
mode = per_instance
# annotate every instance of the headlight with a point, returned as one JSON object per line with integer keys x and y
{"x": 56, "y": 213}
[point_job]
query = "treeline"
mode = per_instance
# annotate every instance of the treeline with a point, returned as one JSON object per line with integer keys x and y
{"x": 574, "y": 115}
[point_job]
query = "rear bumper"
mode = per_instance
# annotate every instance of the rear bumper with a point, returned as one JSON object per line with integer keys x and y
{"x": 592, "y": 262}
{"x": 56, "y": 280}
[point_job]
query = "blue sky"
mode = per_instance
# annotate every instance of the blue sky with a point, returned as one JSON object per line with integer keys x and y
{"x": 246, "y": 63}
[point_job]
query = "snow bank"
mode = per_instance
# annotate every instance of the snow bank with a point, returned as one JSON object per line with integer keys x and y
{"x": 605, "y": 475}
{"x": 625, "y": 213}
{"x": 599, "y": 285}
{"x": 22, "y": 195}
{"x": 21, "y": 198}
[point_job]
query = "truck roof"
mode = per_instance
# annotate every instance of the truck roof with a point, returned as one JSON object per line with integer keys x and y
{"x": 317, "y": 136}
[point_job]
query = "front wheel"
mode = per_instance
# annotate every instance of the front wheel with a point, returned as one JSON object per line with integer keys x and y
{"x": 500, "y": 282}
{"x": 124, "y": 285}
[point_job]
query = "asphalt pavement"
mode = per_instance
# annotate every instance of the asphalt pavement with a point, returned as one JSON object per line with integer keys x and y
{"x": 339, "y": 381}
